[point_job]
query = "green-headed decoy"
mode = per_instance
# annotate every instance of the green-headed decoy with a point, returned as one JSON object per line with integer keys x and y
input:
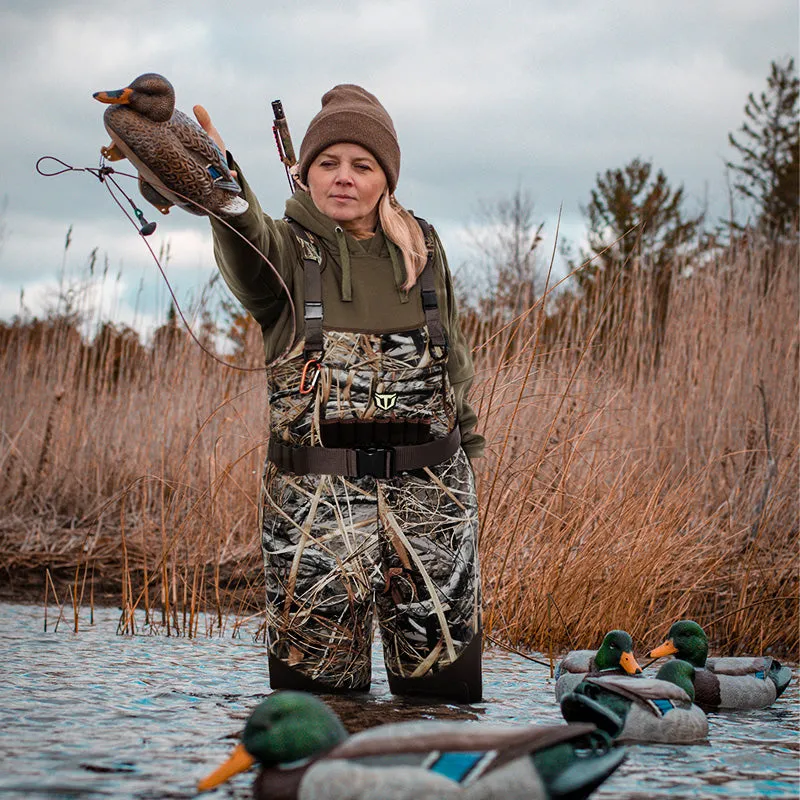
{"x": 724, "y": 683}
{"x": 659, "y": 709}
{"x": 305, "y": 753}
{"x": 615, "y": 657}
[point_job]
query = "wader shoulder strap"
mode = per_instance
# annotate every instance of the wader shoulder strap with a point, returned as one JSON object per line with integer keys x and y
{"x": 427, "y": 284}
{"x": 312, "y": 281}
{"x": 379, "y": 462}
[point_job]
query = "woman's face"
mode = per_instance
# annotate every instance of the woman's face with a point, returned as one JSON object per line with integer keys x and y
{"x": 346, "y": 183}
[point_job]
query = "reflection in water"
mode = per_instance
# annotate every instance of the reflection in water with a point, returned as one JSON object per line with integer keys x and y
{"x": 97, "y": 715}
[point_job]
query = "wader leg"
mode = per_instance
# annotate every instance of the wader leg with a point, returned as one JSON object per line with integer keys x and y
{"x": 460, "y": 682}
{"x": 319, "y": 541}
{"x": 428, "y": 602}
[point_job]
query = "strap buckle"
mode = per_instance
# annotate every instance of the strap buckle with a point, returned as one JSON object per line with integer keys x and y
{"x": 375, "y": 462}
{"x": 429, "y": 299}
{"x": 313, "y": 310}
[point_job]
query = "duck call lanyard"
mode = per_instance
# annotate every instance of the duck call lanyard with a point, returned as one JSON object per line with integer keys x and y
{"x": 379, "y": 462}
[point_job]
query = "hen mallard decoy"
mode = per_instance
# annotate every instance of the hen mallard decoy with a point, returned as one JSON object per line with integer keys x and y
{"x": 615, "y": 657}
{"x": 659, "y": 709}
{"x": 172, "y": 153}
{"x": 724, "y": 683}
{"x": 305, "y": 753}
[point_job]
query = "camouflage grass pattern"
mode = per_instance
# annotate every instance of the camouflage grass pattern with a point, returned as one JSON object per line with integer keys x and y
{"x": 355, "y": 368}
{"x": 338, "y": 549}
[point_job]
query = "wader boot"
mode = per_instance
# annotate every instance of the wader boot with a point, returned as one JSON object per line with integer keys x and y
{"x": 459, "y": 682}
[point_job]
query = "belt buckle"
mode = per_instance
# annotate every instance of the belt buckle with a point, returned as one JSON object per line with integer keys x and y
{"x": 375, "y": 462}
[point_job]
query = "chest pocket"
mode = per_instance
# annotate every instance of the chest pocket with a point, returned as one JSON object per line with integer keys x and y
{"x": 374, "y": 379}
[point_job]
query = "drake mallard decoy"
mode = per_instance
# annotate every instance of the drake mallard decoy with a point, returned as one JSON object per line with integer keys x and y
{"x": 615, "y": 657}
{"x": 724, "y": 683}
{"x": 170, "y": 150}
{"x": 659, "y": 709}
{"x": 305, "y": 753}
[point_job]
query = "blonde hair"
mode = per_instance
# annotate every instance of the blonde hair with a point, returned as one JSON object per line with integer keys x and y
{"x": 401, "y": 227}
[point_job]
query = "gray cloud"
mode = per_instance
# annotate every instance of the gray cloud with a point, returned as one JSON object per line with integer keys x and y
{"x": 486, "y": 96}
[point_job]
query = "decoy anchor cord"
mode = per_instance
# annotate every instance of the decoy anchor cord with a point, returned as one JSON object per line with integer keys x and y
{"x": 105, "y": 174}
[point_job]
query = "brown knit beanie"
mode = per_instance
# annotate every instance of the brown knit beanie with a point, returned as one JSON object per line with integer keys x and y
{"x": 351, "y": 114}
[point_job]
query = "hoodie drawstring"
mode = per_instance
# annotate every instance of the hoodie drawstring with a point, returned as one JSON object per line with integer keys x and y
{"x": 344, "y": 257}
{"x": 399, "y": 272}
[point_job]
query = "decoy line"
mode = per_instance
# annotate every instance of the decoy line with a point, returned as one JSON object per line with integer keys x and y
{"x": 104, "y": 174}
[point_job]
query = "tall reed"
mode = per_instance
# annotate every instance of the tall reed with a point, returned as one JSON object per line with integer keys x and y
{"x": 632, "y": 482}
{"x": 635, "y": 473}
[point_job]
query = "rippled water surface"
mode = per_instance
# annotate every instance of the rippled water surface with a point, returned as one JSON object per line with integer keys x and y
{"x": 93, "y": 715}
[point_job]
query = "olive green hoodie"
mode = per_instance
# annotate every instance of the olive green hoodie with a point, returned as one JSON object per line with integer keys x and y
{"x": 361, "y": 287}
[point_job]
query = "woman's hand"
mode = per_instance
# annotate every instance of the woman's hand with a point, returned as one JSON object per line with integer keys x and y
{"x": 208, "y": 126}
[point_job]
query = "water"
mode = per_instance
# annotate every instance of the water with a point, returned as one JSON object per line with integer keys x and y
{"x": 97, "y": 715}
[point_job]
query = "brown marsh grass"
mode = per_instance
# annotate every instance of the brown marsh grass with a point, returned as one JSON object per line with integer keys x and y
{"x": 634, "y": 474}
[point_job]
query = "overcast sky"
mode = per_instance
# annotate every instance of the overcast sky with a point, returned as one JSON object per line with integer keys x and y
{"x": 486, "y": 97}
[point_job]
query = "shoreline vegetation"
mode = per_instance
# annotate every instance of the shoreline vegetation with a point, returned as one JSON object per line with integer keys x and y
{"x": 641, "y": 467}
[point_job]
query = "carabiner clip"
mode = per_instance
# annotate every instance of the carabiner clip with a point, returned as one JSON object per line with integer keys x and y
{"x": 307, "y": 383}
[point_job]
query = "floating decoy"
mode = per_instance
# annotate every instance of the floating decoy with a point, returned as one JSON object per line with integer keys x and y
{"x": 305, "y": 753}
{"x": 724, "y": 683}
{"x": 659, "y": 709}
{"x": 172, "y": 153}
{"x": 615, "y": 657}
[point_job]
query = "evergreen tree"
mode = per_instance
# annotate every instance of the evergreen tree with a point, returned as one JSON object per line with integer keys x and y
{"x": 630, "y": 215}
{"x": 767, "y": 145}
{"x": 637, "y": 228}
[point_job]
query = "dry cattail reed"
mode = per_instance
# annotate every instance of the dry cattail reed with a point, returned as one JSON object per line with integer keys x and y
{"x": 631, "y": 477}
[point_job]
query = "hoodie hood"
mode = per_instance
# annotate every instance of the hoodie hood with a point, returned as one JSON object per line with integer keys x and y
{"x": 341, "y": 247}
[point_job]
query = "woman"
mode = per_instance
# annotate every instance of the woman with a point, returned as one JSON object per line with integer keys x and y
{"x": 369, "y": 497}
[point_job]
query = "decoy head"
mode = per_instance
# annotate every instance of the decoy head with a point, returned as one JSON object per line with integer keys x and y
{"x": 286, "y": 728}
{"x": 686, "y": 640}
{"x": 617, "y": 651}
{"x": 150, "y": 95}
{"x": 679, "y": 672}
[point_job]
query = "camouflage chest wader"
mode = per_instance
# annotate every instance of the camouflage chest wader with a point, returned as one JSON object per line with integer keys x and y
{"x": 369, "y": 503}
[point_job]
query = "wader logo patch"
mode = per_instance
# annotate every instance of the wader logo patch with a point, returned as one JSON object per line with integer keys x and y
{"x": 385, "y": 401}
